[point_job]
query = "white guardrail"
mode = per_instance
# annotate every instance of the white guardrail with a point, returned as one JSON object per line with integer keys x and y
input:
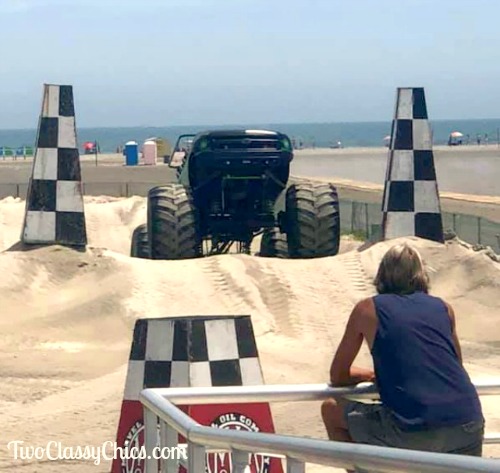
{"x": 160, "y": 404}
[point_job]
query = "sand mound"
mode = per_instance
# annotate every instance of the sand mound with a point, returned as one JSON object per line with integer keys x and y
{"x": 67, "y": 319}
{"x": 110, "y": 221}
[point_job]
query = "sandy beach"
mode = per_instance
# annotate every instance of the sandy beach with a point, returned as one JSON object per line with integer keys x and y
{"x": 68, "y": 316}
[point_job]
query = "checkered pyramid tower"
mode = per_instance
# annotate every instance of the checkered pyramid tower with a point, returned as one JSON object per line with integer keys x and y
{"x": 195, "y": 351}
{"x": 54, "y": 203}
{"x": 411, "y": 204}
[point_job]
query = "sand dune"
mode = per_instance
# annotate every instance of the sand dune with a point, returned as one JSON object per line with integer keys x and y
{"x": 67, "y": 320}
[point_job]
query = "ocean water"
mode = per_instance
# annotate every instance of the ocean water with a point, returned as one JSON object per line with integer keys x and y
{"x": 360, "y": 134}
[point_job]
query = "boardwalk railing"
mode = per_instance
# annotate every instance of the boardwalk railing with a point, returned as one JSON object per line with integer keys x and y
{"x": 160, "y": 405}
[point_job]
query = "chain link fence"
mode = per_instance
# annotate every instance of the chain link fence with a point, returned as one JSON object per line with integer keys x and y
{"x": 358, "y": 218}
{"x": 364, "y": 219}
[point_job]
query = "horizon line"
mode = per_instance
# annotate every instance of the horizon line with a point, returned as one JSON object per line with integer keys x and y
{"x": 254, "y": 123}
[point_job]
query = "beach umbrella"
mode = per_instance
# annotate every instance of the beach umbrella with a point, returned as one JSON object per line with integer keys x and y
{"x": 456, "y": 134}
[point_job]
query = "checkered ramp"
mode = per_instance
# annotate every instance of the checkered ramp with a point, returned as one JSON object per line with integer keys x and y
{"x": 54, "y": 204}
{"x": 411, "y": 204}
{"x": 194, "y": 352}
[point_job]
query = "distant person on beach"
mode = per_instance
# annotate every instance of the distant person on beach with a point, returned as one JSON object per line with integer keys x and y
{"x": 428, "y": 401}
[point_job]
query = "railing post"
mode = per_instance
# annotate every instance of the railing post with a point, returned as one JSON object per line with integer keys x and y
{"x": 294, "y": 466}
{"x": 479, "y": 230}
{"x": 455, "y": 223}
{"x": 168, "y": 440}
{"x": 150, "y": 440}
{"x": 196, "y": 458}
{"x": 240, "y": 461}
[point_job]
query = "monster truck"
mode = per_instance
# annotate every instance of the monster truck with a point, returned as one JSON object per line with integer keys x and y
{"x": 228, "y": 191}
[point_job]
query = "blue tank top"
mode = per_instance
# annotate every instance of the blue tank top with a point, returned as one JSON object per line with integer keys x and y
{"x": 418, "y": 373}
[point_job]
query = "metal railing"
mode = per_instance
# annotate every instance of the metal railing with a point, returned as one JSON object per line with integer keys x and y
{"x": 159, "y": 405}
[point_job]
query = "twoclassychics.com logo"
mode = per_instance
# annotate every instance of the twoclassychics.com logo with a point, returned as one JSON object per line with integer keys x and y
{"x": 57, "y": 451}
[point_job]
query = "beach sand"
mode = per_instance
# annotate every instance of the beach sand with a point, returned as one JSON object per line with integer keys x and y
{"x": 67, "y": 321}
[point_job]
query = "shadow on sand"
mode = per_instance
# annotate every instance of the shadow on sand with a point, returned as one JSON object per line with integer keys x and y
{"x": 366, "y": 245}
{"x": 23, "y": 247}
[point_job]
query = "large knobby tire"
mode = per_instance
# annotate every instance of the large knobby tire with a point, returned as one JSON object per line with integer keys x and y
{"x": 273, "y": 244}
{"x": 140, "y": 246}
{"x": 312, "y": 220}
{"x": 173, "y": 223}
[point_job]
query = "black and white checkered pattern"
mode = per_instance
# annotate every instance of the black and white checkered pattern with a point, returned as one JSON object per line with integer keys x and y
{"x": 54, "y": 204}
{"x": 411, "y": 204}
{"x": 192, "y": 352}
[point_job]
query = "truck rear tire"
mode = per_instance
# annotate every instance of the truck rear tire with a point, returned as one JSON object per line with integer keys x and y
{"x": 173, "y": 223}
{"x": 273, "y": 244}
{"x": 312, "y": 220}
{"x": 140, "y": 246}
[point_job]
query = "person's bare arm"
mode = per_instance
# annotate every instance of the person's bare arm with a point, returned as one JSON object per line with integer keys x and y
{"x": 342, "y": 373}
{"x": 456, "y": 342}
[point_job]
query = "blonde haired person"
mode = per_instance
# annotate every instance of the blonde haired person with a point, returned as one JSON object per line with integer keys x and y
{"x": 427, "y": 399}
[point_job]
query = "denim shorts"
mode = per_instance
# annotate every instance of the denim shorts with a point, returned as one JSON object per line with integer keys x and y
{"x": 374, "y": 424}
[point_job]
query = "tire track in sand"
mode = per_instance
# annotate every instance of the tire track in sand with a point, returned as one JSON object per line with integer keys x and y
{"x": 360, "y": 281}
{"x": 276, "y": 294}
{"x": 235, "y": 295}
{"x": 280, "y": 295}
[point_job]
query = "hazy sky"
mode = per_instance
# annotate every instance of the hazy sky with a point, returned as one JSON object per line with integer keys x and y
{"x": 178, "y": 62}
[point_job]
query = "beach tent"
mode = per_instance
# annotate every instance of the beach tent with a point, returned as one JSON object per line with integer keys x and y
{"x": 455, "y": 138}
{"x": 164, "y": 148}
{"x": 89, "y": 147}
